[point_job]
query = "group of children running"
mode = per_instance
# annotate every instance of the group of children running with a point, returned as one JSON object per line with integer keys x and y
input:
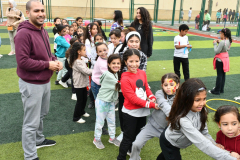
{"x": 117, "y": 72}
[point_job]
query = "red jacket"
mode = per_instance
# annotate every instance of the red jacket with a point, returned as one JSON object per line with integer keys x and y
{"x": 225, "y": 59}
{"x": 230, "y": 144}
{"x": 135, "y": 90}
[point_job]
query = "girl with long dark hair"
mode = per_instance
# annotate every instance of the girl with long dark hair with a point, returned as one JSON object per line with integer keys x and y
{"x": 117, "y": 21}
{"x": 187, "y": 124}
{"x": 221, "y": 60}
{"x": 143, "y": 25}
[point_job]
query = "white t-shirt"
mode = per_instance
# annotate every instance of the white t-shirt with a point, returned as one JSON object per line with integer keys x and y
{"x": 190, "y": 13}
{"x": 178, "y": 40}
{"x": 111, "y": 49}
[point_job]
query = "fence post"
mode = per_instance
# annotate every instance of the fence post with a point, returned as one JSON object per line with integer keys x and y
{"x": 173, "y": 13}
{"x": 202, "y": 14}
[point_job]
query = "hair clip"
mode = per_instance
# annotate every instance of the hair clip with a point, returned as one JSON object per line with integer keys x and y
{"x": 201, "y": 89}
{"x": 96, "y": 42}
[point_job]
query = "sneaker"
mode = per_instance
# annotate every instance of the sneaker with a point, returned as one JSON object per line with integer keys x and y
{"x": 91, "y": 105}
{"x": 114, "y": 141}
{"x": 81, "y": 121}
{"x": 98, "y": 144}
{"x": 64, "y": 84}
{"x": 214, "y": 92}
{"x": 56, "y": 82}
{"x": 69, "y": 81}
{"x": 116, "y": 109}
{"x": 74, "y": 96}
{"x": 86, "y": 115}
{"x": 105, "y": 131}
{"x": 46, "y": 143}
{"x": 36, "y": 158}
{"x": 1, "y": 55}
{"x": 120, "y": 137}
{"x": 11, "y": 53}
{"x": 129, "y": 153}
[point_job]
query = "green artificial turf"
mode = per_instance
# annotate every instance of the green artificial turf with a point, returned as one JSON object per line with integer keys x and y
{"x": 74, "y": 141}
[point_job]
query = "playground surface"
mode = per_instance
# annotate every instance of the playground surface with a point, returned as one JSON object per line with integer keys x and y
{"x": 74, "y": 141}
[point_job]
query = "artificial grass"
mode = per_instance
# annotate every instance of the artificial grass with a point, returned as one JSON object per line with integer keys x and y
{"x": 197, "y": 68}
{"x": 80, "y": 146}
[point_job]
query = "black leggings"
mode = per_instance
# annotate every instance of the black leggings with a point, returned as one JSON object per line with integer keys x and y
{"x": 169, "y": 152}
{"x": 120, "y": 105}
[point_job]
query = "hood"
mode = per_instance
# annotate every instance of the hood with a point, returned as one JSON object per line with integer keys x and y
{"x": 27, "y": 25}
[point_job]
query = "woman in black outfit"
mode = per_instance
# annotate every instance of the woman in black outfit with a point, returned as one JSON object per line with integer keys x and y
{"x": 143, "y": 25}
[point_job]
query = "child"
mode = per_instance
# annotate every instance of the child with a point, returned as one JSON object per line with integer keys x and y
{"x": 187, "y": 124}
{"x": 71, "y": 31}
{"x": 157, "y": 120}
{"x": 117, "y": 21}
{"x": 105, "y": 107}
{"x": 67, "y": 36}
{"x": 97, "y": 39}
{"x": 69, "y": 73}
{"x": 80, "y": 80}
{"x": 79, "y": 31}
{"x": 132, "y": 41}
{"x": 135, "y": 89}
{"x": 56, "y": 22}
{"x": 79, "y": 21}
{"x": 181, "y": 15}
{"x": 99, "y": 23}
{"x": 124, "y": 32}
{"x": 228, "y": 120}
{"x": 64, "y": 22}
{"x": 92, "y": 30}
{"x": 189, "y": 14}
{"x": 181, "y": 52}
{"x": 221, "y": 60}
{"x": 99, "y": 68}
{"x": 74, "y": 24}
{"x": 62, "y": 46}
{"x": 115, "y": 46}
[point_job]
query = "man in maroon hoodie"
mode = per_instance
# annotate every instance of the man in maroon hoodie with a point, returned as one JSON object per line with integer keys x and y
{"x": 35, "y": 68}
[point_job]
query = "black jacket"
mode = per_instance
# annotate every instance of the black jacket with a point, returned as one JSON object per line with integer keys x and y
{"x": 146, "y": 43}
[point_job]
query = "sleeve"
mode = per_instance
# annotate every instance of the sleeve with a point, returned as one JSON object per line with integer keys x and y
{"x": 150, "y": 41}
{"x": 218, "y": 48}
{"x": 88, "y": 47}
{"x": 176, "y": 41}
{"x": 23, "y": 50}
{"x": 207, "y": 135}
{"x": 111, "y": 81}
{"x": 81, "y": 67}
{"x": 202, "y": 143}
{"x": 129, "y": 93}
{"x": 143, "y": 62}
{"x": 163, "y": 103}
{"x": 103, "y": 68}
{"x": 8, "y": 14}
{"x": 64, "y": 43}
{"x": 148, "y": 91}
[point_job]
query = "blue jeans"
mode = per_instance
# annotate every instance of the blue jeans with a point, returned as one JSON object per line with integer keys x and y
{"x": 95, "y": 89}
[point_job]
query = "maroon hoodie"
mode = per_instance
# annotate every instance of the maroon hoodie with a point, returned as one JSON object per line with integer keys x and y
{"x": 33, "y": 54}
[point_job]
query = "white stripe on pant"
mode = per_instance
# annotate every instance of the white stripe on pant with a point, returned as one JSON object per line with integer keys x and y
{"x": 104, "y": 110}
{"x": 36, "y": 99}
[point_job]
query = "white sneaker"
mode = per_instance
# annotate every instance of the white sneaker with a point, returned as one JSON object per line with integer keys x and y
{"x": 116, "y": 109}
{"x": 69, "y": 81}
{"x": 86, "y": 115}
{"x": 81, "y": 121}
{"x": 63, "y": 84}
{"x": 74, "y": 96}
{"x": 1, "y": 55}
{"x": 120, "y": 137}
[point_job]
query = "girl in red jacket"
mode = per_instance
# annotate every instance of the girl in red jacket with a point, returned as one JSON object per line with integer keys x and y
{"x": 138, "y": 100}
{"x": 228, "y": 120}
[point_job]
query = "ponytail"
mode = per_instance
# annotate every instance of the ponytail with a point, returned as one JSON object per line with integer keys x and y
{"x": 227, "y": 34}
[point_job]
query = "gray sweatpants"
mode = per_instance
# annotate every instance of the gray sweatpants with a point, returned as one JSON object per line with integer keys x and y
{"x": 148, "y": 132}
{"x": 36, "y": 99}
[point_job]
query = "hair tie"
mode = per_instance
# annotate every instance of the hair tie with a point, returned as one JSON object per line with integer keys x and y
{"x": 96, "y": 42}
{"x": 119, "y": 81}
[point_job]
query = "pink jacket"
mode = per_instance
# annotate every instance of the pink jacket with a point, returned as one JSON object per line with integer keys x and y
{"x": 99, "y": 68}
{"x": 225, "y": 59}
{"x": 68, "y": 38}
